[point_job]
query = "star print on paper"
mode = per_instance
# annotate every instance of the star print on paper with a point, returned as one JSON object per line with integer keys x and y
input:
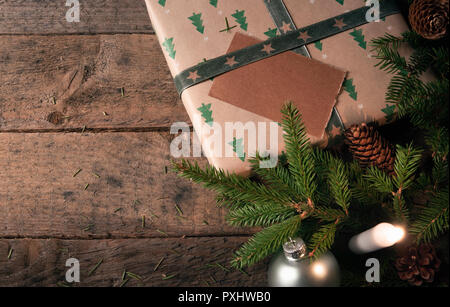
{"x": 335, "y": 131}
{"x": 193, "y": 75}
{"x": 231, "y": 61}
{"x": 304, "y": 36}
{"x": 339, "y": 23}
{"x": 286, "y": 27}
{"x": 268, "y": 48}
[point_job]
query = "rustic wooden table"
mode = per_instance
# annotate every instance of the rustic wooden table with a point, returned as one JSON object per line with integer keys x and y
{"x": 85, "y": 111}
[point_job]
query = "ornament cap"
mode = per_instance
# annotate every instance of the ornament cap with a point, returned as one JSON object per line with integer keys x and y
{"x": 294, "y": 249}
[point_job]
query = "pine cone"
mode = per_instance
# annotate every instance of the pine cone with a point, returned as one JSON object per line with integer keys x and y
{"x": 419, "y": 265}
{"x": 369, "y": 148}
{"x": 429, "y": 18}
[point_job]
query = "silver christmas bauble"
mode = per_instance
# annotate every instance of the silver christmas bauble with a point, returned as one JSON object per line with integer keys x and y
{"x": 290, "y": 268}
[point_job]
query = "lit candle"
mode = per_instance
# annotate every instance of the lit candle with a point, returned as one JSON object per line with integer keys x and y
{"x": 381, "y": 236}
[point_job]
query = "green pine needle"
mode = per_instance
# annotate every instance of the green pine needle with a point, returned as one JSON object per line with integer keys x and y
{"x": 266, "y": 242}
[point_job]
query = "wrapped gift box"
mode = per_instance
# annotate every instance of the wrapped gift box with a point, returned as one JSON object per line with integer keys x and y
{"x": 193, "y": 31}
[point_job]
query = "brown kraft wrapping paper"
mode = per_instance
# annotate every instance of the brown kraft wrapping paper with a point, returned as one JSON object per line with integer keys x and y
{"x": 190, "y": 31}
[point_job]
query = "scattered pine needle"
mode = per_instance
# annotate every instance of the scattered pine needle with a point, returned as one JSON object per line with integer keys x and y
{"x": 243, "y": 272}
{"x": 117, "y": 210}
{"x": 158, "y": 264}
{"x": 174, "y": 251}
{"x": 162, "y": 232}
{"x": 219, "y": 266}
{"x": 88, "y": 227}
{"x": 95, "y": 267}
{"x": 86, "y": 186}
{"x": 153, "y": 215}
{"x": 135, "y": 276}
{"x": 124, "y": 282}
{"x": 166, "y": 277}
{"x": 10, "y": 253}
{"x": 77, "y": 172}
{"x": 180, "y": 212}
{"x": 63, "y": 284}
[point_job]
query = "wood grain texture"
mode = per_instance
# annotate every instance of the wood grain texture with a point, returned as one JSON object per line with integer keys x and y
{"x": 96, "y": 16}
{"x": 193, "y": 261}
{"x": 68, "y": 82}
{"x": 41, "y": 198}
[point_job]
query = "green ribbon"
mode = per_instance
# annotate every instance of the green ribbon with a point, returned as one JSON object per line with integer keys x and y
{"x": 291, "y": 40}
{"x": 281, "y": 16}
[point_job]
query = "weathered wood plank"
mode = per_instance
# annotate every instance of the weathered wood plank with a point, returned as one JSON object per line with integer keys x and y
{"x": 193, "y": 261}
{"x": 96, "y": 16}
{"x": 43, "y": 195}
{"x": 66, "y": 82}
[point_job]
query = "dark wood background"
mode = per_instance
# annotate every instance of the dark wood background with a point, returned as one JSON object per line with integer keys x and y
{"x": 97, "y": 96}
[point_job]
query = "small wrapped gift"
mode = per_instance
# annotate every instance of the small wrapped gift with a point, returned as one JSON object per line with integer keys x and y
{"x": 236, "y": 62}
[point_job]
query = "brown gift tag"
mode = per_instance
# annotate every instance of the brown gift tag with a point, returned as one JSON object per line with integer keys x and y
{"x": 265, "y": 86}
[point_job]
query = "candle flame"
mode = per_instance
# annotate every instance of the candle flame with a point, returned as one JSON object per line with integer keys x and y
{"x": 388, "y": 234}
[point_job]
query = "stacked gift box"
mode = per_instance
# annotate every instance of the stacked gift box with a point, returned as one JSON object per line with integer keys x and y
{"x": 330, "y": 75}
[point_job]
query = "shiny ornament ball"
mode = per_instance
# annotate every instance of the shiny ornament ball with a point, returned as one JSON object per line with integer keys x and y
{"x": 323, "y": 272}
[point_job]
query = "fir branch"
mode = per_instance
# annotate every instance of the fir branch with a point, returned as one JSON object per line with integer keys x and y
{"x": 266, "y": 242}
{"x": 278, "y": 177}
{"x": 298, "y": 151}
{"x": 322, "y": 239}
{"x": 339, "y": 183}
{"x": 379, "y": 180}
{"x": 439, "y": 173}
{"x": 327, "y": 214}
{"x": 235, "y": 187}
{"x": 433, "y": 220}
{"x": 400, "y": 210}
{"x": 438, "y": 139}
{"x": 224, "y": 200}
{"x": 407, "y": 162}
{"x": 261, "y": 215}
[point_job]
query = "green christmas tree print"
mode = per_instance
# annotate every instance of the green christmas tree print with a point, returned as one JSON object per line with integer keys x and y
{"x": 197, "y": 22}
{"x": 241, "y": 19}
{"x": 318, "y": 45}
{"x": 169, "y": 47}
{"x": 341, "y": 2}
{"x": 359, "y": 37}
{"x": 350, "y": 88}
{"x": 271, "y": 33}
{"x": 162, "y": 2}
{"x": 238, "y": 148}
{"x": 213, "y": 2}
{"x": 207, "y": 113}
{"x": 389, "y": 111}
